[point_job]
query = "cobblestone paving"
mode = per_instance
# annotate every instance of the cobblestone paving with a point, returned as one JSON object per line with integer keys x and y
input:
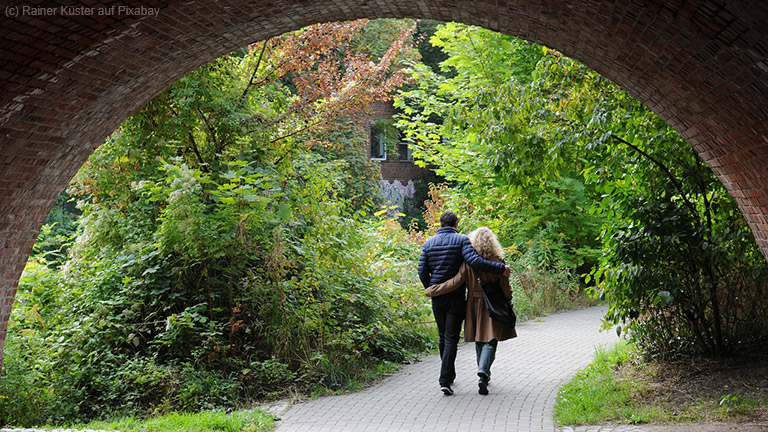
{"x": 526, "y": 375}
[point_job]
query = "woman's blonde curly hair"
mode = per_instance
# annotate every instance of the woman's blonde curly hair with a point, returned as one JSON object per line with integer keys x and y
{"x": 486, "y": 244}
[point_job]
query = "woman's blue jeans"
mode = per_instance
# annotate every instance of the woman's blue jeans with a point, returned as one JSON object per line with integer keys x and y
{"x": 486, "y": 354}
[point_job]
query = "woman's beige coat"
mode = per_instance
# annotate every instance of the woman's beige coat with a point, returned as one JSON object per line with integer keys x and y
{"x": 478, "y": 325}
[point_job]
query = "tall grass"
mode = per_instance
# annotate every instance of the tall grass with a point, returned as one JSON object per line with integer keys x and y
{"x": 538, "y": 293}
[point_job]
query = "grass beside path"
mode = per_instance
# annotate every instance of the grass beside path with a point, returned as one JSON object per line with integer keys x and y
{"x": 204, "y": 421}
{"x": 595, "y": 395}
{"x": 620, "y": 387}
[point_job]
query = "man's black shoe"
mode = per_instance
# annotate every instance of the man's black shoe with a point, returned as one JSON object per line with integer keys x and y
{"x": 482, "y": 387}
{"x": 446, "y": 389}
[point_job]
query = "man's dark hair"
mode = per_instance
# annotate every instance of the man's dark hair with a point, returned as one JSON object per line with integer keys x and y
{"x": 449, "y": 219}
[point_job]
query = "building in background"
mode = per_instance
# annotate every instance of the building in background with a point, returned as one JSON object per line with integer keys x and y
{"x": 399, "y": 175}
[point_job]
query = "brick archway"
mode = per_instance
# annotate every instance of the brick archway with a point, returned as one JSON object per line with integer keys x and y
{"x": 70, "y": 76}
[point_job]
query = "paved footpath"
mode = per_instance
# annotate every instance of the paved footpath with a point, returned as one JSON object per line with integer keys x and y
{"x": 527, "y": 373}
{"x": 526, "y": 376}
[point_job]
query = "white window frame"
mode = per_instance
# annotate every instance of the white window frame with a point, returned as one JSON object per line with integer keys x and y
{"x": 382, "y": 147}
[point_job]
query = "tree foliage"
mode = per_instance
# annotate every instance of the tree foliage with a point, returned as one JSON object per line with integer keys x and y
{"x": 487, "y": 129}
{"x": 562, "y": 163}
{"x": 680, "y": 266}
{"x": 227, "y": 248}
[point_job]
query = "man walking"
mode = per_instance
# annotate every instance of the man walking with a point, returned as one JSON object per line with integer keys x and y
{"x": 441, "y": 257}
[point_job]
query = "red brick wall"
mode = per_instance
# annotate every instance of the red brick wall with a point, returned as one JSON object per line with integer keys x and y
{"x": 68, "y": 81}
{"x": 376, "y": 111}
{"x": 400, "y": 170}
{"x": 392, "y": 168}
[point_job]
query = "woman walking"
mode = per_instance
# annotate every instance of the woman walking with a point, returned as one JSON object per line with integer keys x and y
{"x": 478, "y": 325}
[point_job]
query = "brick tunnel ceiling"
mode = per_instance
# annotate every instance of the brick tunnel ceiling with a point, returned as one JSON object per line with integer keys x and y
{"x": 69, "y": 80}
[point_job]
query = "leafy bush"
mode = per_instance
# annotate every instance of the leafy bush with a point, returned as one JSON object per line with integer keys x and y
{"x": 562, "y": 163}
{"x": 681, "y": 269}
{"x": 222, "y": 255}
{"x": 192, "y": 316}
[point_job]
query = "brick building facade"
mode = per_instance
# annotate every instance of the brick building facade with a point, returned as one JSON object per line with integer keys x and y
{"x": 397, "y": 166}
{"x": 399, "y": 174}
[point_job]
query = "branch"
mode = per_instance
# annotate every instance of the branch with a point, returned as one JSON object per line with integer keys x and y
{"x": 297, "y": 131}
{"x": 192, "y": 141}
{"x": 666, "y": 171}
{"x": 203, "y": 166}
{"x": 211, "y": 131}
{"x": 271, "y": 72}
{"x": 294, "y": 107}
{"x": 256, "y": 69}
{"x": 703, "y": 190}
{"x": 480, "y": 58}
{"x": 145, "y": 323}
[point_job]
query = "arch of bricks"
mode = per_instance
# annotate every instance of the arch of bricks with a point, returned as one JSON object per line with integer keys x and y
{"x": 70, "y": 76}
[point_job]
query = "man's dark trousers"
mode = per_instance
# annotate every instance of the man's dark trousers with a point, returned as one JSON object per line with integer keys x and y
{"x": 449, "y": 313}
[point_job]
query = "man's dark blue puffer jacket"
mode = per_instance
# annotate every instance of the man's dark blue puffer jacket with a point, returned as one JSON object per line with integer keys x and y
{"x": 443, "y": 254}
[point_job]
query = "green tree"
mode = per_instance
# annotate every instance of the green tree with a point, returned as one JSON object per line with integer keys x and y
{"x": 58, "y": 232}
{"x": 561, "y": 161}
{"x": 488, "y": 129}
{"x": 680, "y": 267}
{"x": 223, "y": 254}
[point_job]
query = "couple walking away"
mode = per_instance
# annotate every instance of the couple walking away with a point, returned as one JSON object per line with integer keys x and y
{"x": 450, "y": 265}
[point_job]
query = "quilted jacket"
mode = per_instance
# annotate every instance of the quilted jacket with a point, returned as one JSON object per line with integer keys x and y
{"x": 443, "y": 255}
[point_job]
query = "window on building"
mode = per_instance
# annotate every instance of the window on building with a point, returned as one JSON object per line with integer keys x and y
{"x": 405, "y": 151}
{"x": 378, "y": 143}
